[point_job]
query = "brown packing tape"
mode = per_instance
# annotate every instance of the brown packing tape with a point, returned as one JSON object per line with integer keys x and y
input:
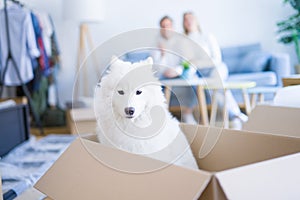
{"x": 78, "y": 175}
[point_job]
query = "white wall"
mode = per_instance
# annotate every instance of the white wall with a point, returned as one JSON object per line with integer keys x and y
{"x": 231, "y": 21}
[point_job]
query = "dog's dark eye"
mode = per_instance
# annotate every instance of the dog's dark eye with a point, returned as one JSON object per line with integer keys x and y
{"x": 138, "y": 92}
{"x": 121, "y": 92}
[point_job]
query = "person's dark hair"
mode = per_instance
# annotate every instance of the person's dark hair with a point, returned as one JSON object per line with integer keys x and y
{"x": 164, "y": 18}
{"x": 190, "y": 13}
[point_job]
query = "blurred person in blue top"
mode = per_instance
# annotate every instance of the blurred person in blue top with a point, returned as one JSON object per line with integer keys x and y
{"x": 170, "y": 66}
{"x": 210, "y": 45}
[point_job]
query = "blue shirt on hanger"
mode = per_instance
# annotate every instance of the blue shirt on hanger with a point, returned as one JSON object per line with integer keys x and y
{"x": 23, "y": 44}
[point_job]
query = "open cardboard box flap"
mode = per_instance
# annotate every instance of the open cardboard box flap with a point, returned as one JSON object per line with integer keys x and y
{"x": 78, "y": 174}
{"x": 278, "y": 178}
{"x": 274, "y": 119}
{"x": 225, "y": 149}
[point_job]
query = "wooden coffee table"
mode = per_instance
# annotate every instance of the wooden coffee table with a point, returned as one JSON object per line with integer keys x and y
{"x": 199, "y": 83}
{"x": 260, "y": 93}
{"x": 203, "y": 84}
{"x": 241, "y": 85}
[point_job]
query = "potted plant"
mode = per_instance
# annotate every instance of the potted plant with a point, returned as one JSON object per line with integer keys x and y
{"x": 186, "y": 67}
{"x": 289, "y": 30}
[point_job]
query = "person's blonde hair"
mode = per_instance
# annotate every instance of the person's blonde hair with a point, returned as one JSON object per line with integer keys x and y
{"x": 184, "y": 28}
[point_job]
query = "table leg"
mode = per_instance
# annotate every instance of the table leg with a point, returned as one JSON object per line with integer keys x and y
{"x": 253, "y": 100}
{"x": 261, "y": 97}
{"x": 246, "y": 101}
{"x": 214, "y": 108}
{"x": 202, "y": 105}
{"x": 168, "y": 94}
{"x": 225, "y": 111}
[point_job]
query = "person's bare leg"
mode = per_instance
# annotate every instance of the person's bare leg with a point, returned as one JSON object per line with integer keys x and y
{"x": 188, "y": 117}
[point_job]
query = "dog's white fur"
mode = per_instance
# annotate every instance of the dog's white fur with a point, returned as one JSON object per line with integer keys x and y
{"x": 132, "y": 133}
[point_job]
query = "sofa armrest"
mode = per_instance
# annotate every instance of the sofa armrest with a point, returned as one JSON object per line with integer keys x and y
{"x": 280, "y": 64}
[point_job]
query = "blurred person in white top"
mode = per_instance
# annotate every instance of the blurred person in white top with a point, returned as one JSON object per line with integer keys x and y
{"x": 210, "y": 45}
{"x": 169, "y": 66}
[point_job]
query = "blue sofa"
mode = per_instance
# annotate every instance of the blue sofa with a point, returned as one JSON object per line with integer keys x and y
{"x": 245, "y": 63}
{"x": 252, "y": 63}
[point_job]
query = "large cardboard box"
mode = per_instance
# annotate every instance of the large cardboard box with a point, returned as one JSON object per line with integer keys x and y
{"x": 277, "y": 120}
{"x": 233, "y": 165}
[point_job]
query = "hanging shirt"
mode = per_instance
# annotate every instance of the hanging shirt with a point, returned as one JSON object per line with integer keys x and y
{"x": 23, "y": 45}
{"x": 47, "y": 30}
{"x": 54, "y": 41}
{"x": 55, "y": 51}
{"x": 43, "y": 60}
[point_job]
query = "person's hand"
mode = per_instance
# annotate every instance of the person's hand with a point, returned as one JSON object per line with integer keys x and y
{"x": 171, "y": 73}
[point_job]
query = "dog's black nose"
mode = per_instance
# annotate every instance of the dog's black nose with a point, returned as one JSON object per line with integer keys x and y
{"x": 129, "y": 110}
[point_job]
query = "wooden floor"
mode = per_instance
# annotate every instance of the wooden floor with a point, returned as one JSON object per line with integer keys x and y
{"x": 50, "y": 130}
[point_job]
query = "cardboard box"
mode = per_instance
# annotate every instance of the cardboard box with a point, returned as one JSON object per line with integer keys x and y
{"x": 232, "y": 169}
{"x": 81, "y": 121}
{"x": 274, "y": 119}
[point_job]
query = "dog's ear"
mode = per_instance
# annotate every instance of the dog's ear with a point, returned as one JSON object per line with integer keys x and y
{"x": 149, "y": 61}
{"x": 115, "y": 62}
{"x": 114, "y": 58}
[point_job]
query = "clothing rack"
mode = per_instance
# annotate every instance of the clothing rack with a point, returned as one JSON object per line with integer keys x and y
{"x": 14, "y": 64}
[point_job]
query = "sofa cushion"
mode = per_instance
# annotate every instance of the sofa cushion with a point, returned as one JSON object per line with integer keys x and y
{"x": 136, "y": 56}
{"x": 261, "y": 78}
{"x": 254, "y": 61}
{"x": 232, "y": 55}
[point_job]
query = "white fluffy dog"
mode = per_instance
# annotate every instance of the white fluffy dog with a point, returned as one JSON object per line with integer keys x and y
{"x": 132, "y": 115}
